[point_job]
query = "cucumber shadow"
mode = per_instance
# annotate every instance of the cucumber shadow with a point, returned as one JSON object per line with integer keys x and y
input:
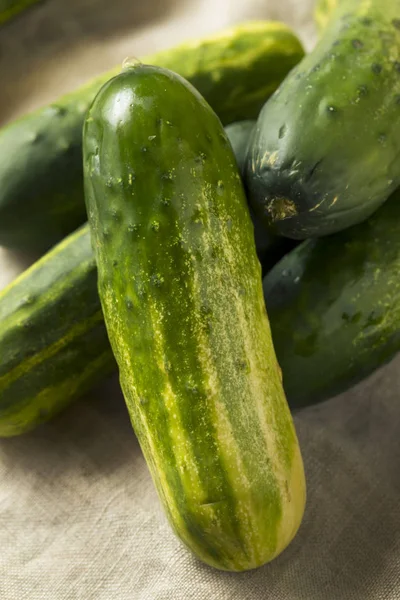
{"x": 57, "y": 46}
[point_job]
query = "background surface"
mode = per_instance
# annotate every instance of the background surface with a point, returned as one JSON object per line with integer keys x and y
{"x": 79, "y": 517}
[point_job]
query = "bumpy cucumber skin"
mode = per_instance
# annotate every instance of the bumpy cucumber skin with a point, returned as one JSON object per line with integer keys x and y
{"x": 41, "y": 179}
{"x": 181, "y": 292}
{"x": 53, "y": 342}
{"x": 334, "y": 306}
{"x": 326, "y": 149}
{"x": 38, "y": 392}
{"x": 11, "y": 8}
{"x": 270, "y": 248}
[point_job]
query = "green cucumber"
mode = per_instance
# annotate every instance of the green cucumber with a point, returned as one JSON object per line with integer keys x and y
{"x": 11, "y": 8}
{"x": 181, "y": 292}
{"x": 270, "y": 248}
{"x": 30, "y": 360}
{"x": 326, "y": 150}
{"x": 334, "y": 306}
{"x": 53, "y": 343}
{"x": 34, "y": 371}
{"x": 37, "y": 371}
{"x": 41, "y": 180}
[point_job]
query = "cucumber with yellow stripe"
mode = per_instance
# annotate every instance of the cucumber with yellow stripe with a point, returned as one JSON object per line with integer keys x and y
{"x": 11, "y": 8}
{"x": 33, "y": 387}
{"x": 53, "y": 342}
{"x": 41, "y": 180}
{"x": 180, "y": 287}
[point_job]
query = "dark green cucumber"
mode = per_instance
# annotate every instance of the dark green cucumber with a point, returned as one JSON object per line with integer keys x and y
{"x": 270, "y": 248}
{"x": 334, "y": 306}
{"x": 53, "y": 343}
{"x": 326, "y": 150}
{"x": 33, "y": 397}
{"x": 41, "y": 180}
{"x": 180, "y": 287}
{"x": 11, "y": 8}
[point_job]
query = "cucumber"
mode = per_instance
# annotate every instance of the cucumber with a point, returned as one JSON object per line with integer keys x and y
{"x": 11, "y": 8}
{"x": 181, "y": 292}
{"x": 34, "y": 383}
{"x": 41, "y": 180}
{"x": 32, "y": 362}
{"x": 270, "y": 248}
{"x": 334, "y": 306}
{"x": 40, "y": 350}
{"x": 53, "y": 343}
{"x": 326, "y": 150}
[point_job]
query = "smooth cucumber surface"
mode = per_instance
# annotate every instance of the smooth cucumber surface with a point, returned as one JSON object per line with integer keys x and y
{"x": 53, "y": 343}
{"x": 326, "y": 149}
{"x": 334, "y": 307}
{"x": 11, "y": 8}
{"x": 181, "y": 292}
{"x": 41, "y": 179}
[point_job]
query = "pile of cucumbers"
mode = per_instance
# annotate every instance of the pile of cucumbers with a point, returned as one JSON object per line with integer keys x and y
{"x": 53, "y": 342}
{"x": 196, "y": 233}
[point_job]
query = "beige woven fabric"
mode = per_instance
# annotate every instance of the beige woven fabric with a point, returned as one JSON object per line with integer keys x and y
{"x": 79, "y": 517}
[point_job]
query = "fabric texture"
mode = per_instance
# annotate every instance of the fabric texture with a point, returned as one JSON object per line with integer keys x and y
{"x": 79, "y": 516}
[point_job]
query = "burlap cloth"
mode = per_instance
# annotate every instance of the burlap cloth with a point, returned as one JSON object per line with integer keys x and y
{"x": 79, "y": 517}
